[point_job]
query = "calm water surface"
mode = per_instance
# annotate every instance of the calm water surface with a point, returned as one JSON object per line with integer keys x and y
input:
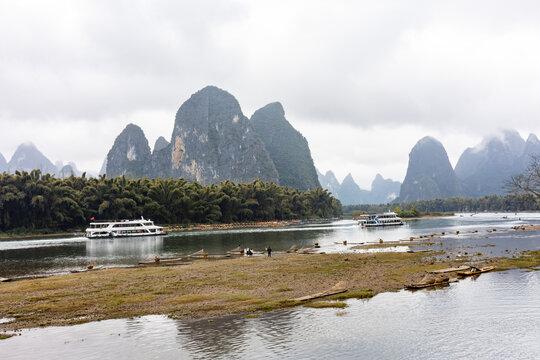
{"x": 55, "y": 256}
{"x": 495, "y": 316}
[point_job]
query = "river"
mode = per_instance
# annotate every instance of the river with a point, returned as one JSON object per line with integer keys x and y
{"x": 492, "y": 316}
{"x": 35, "y": 257}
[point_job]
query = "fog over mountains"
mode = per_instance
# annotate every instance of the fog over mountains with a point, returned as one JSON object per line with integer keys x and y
{"x": 27, "y": 158}
{"x": 3, "y": 164}
{"x": 349, "y": 193}
{"x": 481, "y": 170}
{"x": 213, "y": 141}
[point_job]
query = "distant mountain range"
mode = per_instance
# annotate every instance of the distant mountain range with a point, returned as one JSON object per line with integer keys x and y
{"x": 212, "y": 141}
{"x": 27, "y": 158}
{"x": 349, "y": 193}
{"x": 481, "y": 170}
{"x": 484, "y": 168}
{"x": 3, "y": 164}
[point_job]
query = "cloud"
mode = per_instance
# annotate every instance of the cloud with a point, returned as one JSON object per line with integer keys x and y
{"x": 457, "y": 68}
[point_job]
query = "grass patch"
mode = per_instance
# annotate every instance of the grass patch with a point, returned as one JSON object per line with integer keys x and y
{"x": 140, "y": 298}
{"x": 190, "y": 299}
{"x": 5, "y": 336}
{"x": 361, "y": 294}
{"x": 284, "y": 289}
{"x": 528, "y": 259}
{"x": 326, "y": 304}
{"x": 163, "y": 292}
{"x": 252, "y": 316}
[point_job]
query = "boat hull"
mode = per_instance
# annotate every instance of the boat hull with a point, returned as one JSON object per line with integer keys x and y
{"x": 114, "y": 236}
{"x": 380, "y": 225}
{"x": 470, "y": 273}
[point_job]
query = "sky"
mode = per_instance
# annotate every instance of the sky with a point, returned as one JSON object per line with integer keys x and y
{"x": 363, "y": 81}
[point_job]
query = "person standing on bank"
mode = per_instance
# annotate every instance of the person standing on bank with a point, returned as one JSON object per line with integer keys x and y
{"x": 269, "y": 250}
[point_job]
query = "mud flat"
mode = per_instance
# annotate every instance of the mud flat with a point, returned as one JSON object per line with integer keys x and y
{"x": 211, "y": 288}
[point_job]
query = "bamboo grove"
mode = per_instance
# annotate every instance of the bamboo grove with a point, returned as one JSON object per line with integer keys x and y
{"x": 30, "y": 201}
{"x": 511, "y": 203}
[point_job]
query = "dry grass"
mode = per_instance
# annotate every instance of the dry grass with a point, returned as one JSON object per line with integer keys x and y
{"x": 211, "y": 288}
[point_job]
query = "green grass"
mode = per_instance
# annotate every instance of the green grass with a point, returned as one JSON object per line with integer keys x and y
{"x": 361, "y": 294}
{"x": 252, "y": 316}
{"x": 284, "y": 289}
{"x": 326, "y": 304}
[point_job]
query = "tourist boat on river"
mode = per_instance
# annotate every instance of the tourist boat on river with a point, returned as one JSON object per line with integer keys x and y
{"x": 376, "y": 220}
{"x": 123, "y": 228}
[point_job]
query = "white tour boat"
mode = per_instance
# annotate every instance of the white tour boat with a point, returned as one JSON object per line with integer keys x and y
{"x": 376, "y": 220}
{"x": 123, "y": 228}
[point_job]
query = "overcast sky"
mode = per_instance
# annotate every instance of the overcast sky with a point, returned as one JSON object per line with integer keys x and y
{"x": 362, "y": 80}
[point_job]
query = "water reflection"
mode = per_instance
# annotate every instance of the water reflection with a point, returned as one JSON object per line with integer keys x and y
{"x": 124, "y": 247}
{"x": 233, "y": 336}
{"x": 49, "y": 256}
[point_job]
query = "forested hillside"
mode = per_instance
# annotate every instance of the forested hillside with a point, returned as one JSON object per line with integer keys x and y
{"x": 456, "y": 204}
{"x": 35, "y": 201}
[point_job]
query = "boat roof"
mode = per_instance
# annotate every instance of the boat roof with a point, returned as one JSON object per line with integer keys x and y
{"x": 377, "y": 214}
{"x": 118, "y": 221}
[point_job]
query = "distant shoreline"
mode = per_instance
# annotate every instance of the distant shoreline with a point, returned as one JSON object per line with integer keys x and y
{"x": 432, "y": 215}
{"x": 36, "y": 236}
{"x": 182, "y": 228}
{"x": 247, "y": 225}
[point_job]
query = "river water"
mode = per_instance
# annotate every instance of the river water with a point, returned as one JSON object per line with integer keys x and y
{"x": 493, "y": 316}
{"x": 19, "y": 258}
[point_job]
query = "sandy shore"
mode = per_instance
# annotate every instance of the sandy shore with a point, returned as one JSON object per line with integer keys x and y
{"x": 246, "y": 225}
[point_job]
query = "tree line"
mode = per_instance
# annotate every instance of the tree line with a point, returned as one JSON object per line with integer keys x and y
{"x": 41, "y": 201}
{"x": 511, "y": 203}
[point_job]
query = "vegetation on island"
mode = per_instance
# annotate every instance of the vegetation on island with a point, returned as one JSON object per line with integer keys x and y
{"x": 30, "y": 201}
{"x": 492, "y": 203}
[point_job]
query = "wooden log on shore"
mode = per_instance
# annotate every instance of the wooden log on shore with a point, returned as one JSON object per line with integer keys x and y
{"x": 292, "y": 249}
{"x": 94, "y": 268}
{"x": 339, "y": 288}
{"x": 199, "y": 254}
{"x": 305, "y": 251}
{"x": 158, "y": 261}
{"x": 236, "y": 251}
